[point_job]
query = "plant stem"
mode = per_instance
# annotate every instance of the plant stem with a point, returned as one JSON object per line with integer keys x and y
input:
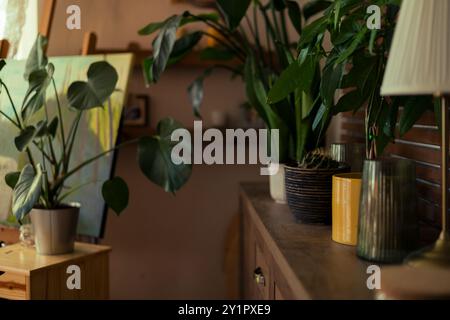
{"x": 61, "y": 180}
{"x": 61, "y": 121}
{"x": 240, "y": 55}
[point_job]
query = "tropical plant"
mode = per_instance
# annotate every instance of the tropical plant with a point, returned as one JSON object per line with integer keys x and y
{"x": 259, "y": 61}
{"x": 356, "y": 64}
{"x": 43, "y": 182}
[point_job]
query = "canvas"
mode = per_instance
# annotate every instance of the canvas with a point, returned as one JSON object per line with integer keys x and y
{"x": 98, "y": 132}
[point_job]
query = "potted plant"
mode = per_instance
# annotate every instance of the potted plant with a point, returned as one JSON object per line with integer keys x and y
{"x": 41, "y": 187}
{"x": 257, "y": 60}
{"x": 360, "y": 60}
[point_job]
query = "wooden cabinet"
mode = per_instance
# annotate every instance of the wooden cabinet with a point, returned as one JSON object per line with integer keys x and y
{"x": 24, "y": 275}
{"x": 283, "y": 260}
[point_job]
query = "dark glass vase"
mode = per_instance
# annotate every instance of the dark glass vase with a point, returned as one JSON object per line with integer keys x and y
{"x": 388, "y": 221}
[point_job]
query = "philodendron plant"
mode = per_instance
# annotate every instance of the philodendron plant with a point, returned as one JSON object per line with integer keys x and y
{"x": 257, "y": 60}
{"x": 43, "y": 182}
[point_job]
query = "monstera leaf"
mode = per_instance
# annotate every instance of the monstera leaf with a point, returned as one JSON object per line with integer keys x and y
{"x": 102, "y": 81}
{"x": 154, "y": 155}
{"x": 36, "y": 59}
{"x": 116, "y": 194}
{"x": 27, "y": 191}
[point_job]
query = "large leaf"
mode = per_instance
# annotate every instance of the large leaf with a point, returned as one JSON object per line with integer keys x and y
{"x": 155, "y": 26}
{"x": 116, "y": 194}
{"x": 37, "y": 59}
{"x": 155, "y": 161}
{"x": 34, "y": 100}
{"x": 102, "y": 81}
{"x": 233, "y": 11}
{"x": 163, "y": 46}
{"x": 296, "y": 76}
{"x": 27, "y": 191}
{"x": 215, "y": 53}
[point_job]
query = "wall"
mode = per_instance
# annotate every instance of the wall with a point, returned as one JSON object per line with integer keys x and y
{"x": 163, "y": 246}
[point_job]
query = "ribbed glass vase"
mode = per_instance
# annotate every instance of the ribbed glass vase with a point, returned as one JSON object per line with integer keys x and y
{"x": 388, "y": 222}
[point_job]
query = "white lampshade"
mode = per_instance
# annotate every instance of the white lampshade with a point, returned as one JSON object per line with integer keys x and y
{"x": 419, "y": 60}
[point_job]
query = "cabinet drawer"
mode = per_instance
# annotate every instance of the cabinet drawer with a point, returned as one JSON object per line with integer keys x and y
{"x": 13, "y": 286}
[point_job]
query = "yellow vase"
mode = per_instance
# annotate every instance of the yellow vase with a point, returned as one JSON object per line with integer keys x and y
{"x": 346, "y": 192}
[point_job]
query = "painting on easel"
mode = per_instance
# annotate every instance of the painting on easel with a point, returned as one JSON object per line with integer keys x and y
{"x": 99, "y": 132}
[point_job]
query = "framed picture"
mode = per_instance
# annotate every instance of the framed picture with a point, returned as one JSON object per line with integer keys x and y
{"x": 136, "y": 114}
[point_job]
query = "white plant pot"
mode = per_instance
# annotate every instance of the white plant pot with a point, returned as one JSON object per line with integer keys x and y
{"x": 277, "y": 187}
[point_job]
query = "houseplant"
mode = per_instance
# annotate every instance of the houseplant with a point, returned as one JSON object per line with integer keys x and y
{"x": 42, "y": 185}
{"x": 357, "y": 61}
{"x": 257, "y": 60}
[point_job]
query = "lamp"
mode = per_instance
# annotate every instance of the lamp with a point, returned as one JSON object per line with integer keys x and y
{"x": 419, "y": 64}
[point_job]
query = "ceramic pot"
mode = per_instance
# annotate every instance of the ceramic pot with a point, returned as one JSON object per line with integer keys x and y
{"x": 388, "y": 221}
{"x": 308, "y": 193}
{"x": 345, "y": 206}
{"x": 277, "y": 187}
{"x": 55, "y": 230}
{"x": 352, "y": 154}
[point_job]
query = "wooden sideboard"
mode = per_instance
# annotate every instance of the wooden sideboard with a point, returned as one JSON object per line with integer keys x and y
{"x": 283, "y": 260}
{"x": 24, "y": 275}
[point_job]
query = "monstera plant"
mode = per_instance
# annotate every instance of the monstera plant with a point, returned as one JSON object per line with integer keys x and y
{"x": 257, "y": 60}
{"x": 43, "y": 182}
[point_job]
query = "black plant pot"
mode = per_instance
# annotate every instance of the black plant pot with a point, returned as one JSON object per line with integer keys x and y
{"x": 308, "y": 193}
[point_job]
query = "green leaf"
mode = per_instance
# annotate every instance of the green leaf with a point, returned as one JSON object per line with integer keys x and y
{"x": 296, "y": 76}
{"x": 34, "y": 100}
{"x": 147, "y": 67}
{"x": 331, "y": 80}
{"x": 196, "y": 93}
{"x": 102, "y": 81}
{"x": 183, "y": 46}
{"x": 295, "y": 14}
{"x": 312, "y": 31}
{"x": 116, "y": 194}
{"x": 11, "y": 179}
{"x": 319, "y": 116}
{"x": 314, "y": 7}
{"x": 351, "y": 101}
{"x": 25, "y": 137}
{"x": 163, "y": 46}
{"x": 413, "y": 110}
{"x": 155, "y": 26}
{"x": 27, "y": 191}
{"x": 233, "y": 11}
{"x": 37, "y": 59}
{"x": 155, "y": 161}
{"x": 353, "y": 46}
{"x": 215, "y": 53}
{"x": 53, "y": 127}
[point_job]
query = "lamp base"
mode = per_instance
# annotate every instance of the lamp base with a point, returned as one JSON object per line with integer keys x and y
{"x": 438, "y": 255}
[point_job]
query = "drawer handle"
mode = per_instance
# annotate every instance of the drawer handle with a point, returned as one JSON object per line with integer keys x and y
{"x": 259, "y": 277}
